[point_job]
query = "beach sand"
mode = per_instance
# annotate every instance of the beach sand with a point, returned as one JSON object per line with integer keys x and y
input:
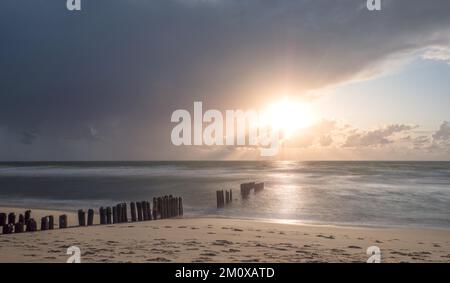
{"x": 221, "y": 240}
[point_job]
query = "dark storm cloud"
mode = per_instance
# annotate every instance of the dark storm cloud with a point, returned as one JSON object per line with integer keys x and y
{"x": 108, "y": 78}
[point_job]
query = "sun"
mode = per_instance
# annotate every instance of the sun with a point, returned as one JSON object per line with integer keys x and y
{"x": 288, "y": 116}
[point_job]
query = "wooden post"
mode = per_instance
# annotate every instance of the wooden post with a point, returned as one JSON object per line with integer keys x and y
{"x": 63, "y": 221}
{"x": 166, "y": 207}
{"x": 169, "y": 206}
{"x": 11, "y": 218}
{"x": 148, "y": 214}
{"x": 18, "y": 227}
{"x": 246, "y": 188}
{"x": 2, "y": 219}
{"x": 114, "y": 211}
{"x": 231, "y": 195}
{"x": 220, "y": 199}
{"x": 172, "y": 207}
{"x": 27, "y": 216}
{"x": 180, "y": 206}
{"x": 259, "y": 187}
{"x": 21, "y": 219}
{"x": 177, "y": 212}
{"x": 163, "y": 208}
{"x": 133, "y": 212}
{"x": 125, "y": 212}
{"x": 90, "y": 217}
{"x": 8, "y": 228}
{"x": 51, "y": 222}
{"x": 119, "y": 213}
{"x": 160, "y": 207}
{"x": 155, "y": 211}
{"x": 102, "y": 213}
{"x": 149, "y": 210}
{"x": 31, "y": 225}
{"x": 81, "y": 217}
{"x": 139, "y": 210}
{"x": 243, "y": 190}
{"x": 108, "y": 215}
{"x": 44, "y": 223}
{"x": 144, "y": 210}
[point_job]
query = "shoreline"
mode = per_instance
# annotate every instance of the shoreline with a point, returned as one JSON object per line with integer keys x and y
{"x": 20, "y": 209}
{"x": 222, "y": 240}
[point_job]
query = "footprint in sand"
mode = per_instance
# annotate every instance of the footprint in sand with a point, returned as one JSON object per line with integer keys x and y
{"x": 331, "y": 237}
{"x": 192, "y": 249}
{"x": 222, "y": 242}
{"x": 209, "y": 253}
{"x": 231, "y": 251}
{"x": 354, "y": 247}
{"x": 279, "y": 249}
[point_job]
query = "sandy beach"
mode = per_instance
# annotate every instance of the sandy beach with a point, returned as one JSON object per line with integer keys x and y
{"x": 222, "y": 240}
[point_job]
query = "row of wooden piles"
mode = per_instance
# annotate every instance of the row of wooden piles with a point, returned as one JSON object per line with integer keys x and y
{"x": 161, "y": 208}
{"x": 247, "y": 187}
{"x": 224, "y": 198}
{"x": 25, "y": 223}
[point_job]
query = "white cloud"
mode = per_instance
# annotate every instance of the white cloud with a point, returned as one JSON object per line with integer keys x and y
{"x": 438, "y": 54}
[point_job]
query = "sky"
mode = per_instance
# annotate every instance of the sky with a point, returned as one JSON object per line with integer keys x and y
{"x": 103, "y": 82}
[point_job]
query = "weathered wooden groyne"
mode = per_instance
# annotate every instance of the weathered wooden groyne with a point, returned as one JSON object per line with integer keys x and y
{"x": 247, "y": 187}
{"x": 226, "y": 197}
{"x": 159, "y": 208}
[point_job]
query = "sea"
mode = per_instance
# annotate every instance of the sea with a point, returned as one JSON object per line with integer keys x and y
{"x": 355, "y": 193}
